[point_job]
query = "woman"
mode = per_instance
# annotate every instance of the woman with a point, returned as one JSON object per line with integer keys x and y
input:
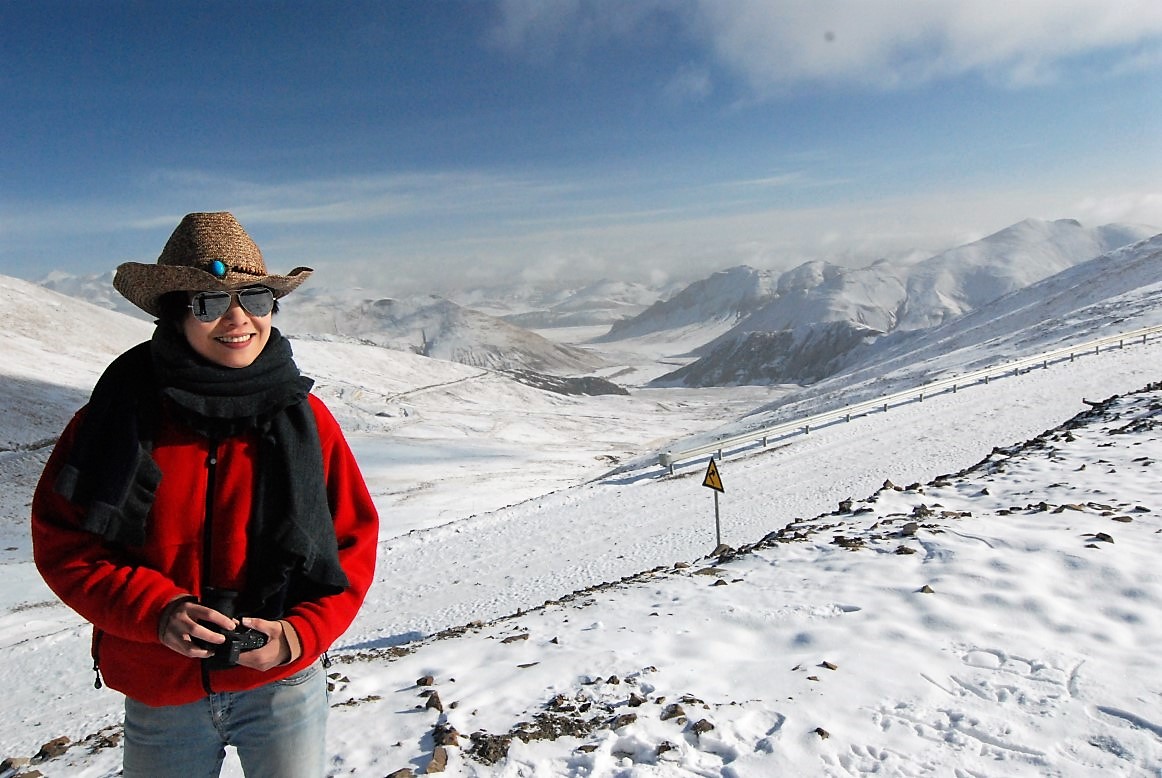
{"x": 204, "y": 512}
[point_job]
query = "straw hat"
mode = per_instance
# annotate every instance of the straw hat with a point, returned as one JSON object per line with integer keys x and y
{"x": 208, "y": 252}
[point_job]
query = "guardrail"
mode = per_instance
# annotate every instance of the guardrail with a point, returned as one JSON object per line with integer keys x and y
{"x": 718, "y": 448}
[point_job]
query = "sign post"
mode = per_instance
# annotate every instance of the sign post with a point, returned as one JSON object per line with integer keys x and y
{"x": 714, "y": 481}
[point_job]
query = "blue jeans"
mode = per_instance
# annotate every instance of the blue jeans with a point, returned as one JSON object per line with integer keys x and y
{"x": 278, "y": 729}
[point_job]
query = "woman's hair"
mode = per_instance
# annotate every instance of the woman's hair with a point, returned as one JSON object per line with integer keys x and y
{"x": 175, "y": 306}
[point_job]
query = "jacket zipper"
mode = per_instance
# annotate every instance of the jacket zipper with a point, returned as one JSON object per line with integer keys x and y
{"x": 208, "y": 538}
{"x": 97, "y": 635}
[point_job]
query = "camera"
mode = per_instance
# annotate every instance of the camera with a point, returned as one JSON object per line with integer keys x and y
{"x": 238, "y": 640}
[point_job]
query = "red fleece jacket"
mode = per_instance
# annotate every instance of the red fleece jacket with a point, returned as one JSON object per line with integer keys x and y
{"x": 122, "y": 591}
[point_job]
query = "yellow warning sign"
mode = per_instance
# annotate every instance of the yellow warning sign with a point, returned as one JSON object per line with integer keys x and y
{"x": 712, "y": 479}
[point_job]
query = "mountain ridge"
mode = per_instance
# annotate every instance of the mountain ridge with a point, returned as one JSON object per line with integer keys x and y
{"x": 828, "y": 315}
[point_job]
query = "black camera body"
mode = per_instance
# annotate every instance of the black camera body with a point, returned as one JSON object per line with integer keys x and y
{"x": 238, "y": 640}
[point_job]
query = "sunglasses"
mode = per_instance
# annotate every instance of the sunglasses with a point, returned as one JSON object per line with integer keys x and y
{"x": 211, "y": 306}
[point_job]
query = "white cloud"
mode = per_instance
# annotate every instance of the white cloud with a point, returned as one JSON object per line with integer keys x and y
{"x": 780, "y": 46}
{"x": 887, "y": 43}
{"x": 1126, "y": 207}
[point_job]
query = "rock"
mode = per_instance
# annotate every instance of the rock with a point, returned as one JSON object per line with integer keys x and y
{"x": 822, "y": 733}
{"x": 701, "y": 726}
{"x": 403, "y": 772}
{"x": 445, "y": 735}
{"x": 434, "y": 702}
{"x": 427, "y": 680}
{"x": 439, "y": 761}
{"x": 926, "y": 589}
{"x": 489, "y": 749}
{"x": 12, "y": 765}
{"x": 624, "y": 720}
{"x": 673, "y": 711}
{"x": 52, "y": 749}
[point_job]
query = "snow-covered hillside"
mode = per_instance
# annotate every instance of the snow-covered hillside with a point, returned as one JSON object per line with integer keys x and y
{"x": 1117, "y": 292}
{"x": 434, "y": 327}
{"x": 823, "y": 318}
{"x": 540, "y": 610}
{"x": 957, "y": 281}
{"x": 712, "y": 304}
{"x": 995, "y": 620}
{"x": 55, "y": 347}
{"x": 96, "y": 289}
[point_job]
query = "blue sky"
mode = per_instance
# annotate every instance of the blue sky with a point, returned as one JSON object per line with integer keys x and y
{"x": 417, "y": 146}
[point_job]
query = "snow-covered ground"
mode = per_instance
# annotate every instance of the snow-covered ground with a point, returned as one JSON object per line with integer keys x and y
{"x": 999, "y": 622}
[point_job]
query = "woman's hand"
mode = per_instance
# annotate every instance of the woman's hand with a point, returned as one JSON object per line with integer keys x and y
{"x": 282, "y": 645}
{"x": 179, "y": 627}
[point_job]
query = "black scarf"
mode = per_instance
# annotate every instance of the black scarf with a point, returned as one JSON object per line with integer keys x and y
{"x": 293, "y": 554}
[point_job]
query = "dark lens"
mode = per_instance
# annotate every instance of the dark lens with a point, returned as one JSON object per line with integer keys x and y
{"x": 257, "y": 302}
{"x": 210, "y": 306}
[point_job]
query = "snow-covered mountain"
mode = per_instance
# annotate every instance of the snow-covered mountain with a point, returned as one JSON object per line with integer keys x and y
{"x": 436, "y": 327}
{"x": 953, "y": 283}
{"x": 1118, "y": 291}
{"x": 741, "y": 326}
{"x": 823, "y": 317}
{"x": 723, "y": 298}
{"x": 96, "y": 289}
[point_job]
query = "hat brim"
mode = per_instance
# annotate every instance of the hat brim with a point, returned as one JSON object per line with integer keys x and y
{"x": 143, "y": 285}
